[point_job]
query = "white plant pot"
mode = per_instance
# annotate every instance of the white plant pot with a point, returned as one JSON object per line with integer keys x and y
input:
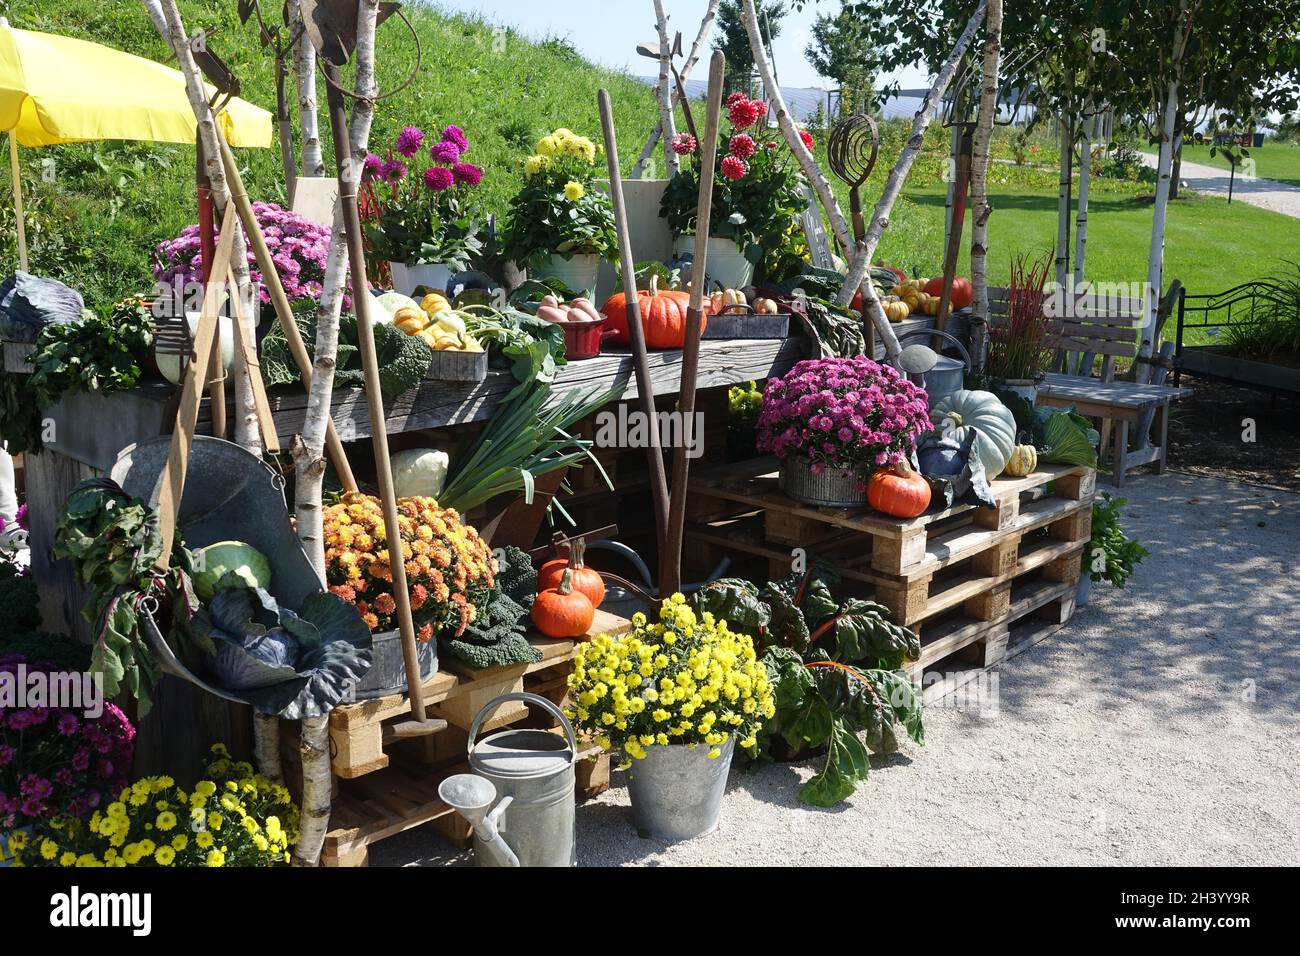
{"x": 724, "y": 262}
{"x": 408, "y": 276}
{"x": 578, "y": 273}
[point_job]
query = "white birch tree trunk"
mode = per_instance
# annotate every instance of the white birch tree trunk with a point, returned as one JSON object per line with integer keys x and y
{"x": 304, "y": 71}
{"x": 1156, "y": 256}
{"x": 706, "y": 25}
{"x": 979, "y": 173}
{"x": 667, "y": 123}
{"x": 894, "y": 186}
{"x": 1081, "y": 212}
{"x": 1063, "y": 204}
{"x": 165, "y": 16}
{"x": 309, "y": 447}
{"x": 246, "y": 430}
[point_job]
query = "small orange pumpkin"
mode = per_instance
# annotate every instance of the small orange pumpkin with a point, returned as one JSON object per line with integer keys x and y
{"x": 563, "y": 612}
{"x": 585, "y": 579}
{"x": 962, "y": 293}
{"x": 898, "y": 491}
{"x": 663, "y": 316}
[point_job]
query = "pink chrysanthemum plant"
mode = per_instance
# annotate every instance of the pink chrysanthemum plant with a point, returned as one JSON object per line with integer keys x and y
{"x": 298, "y": 246}
{"x": 849, "y": 413}
{"x": 419, "y": 205}
{"x": 756, "y": 188}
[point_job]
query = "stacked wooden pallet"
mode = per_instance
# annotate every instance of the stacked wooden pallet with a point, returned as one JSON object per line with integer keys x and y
{"x": 386, "y": 786}
{"x": 962, "y": 577}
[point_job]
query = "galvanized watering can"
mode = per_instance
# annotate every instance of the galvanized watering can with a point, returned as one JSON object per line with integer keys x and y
{"x": 532, "y": 772}
{"x": 938, "y": 374}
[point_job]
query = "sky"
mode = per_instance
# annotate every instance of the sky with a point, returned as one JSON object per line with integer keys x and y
{"x": 607, "y": 31}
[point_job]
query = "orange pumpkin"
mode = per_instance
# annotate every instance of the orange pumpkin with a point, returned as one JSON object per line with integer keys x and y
{"x": 962, "y": 294}
{"x": 563, "y": 612}
{"x": 585, "y": 579}
{"x": 663, "y": 316}
{"x": 898, "y": 491}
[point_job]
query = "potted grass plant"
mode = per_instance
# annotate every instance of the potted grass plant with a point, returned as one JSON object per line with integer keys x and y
{"x": 1019, "y": 350}
{"x": 559, "y": 226}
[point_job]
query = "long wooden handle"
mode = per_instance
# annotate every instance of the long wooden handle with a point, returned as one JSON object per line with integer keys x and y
{"x": 246, "y": 352}
{"x": 670, "y": 560}
{"x": 361, "y": 302}
{"x": 187, "y": 416}
{"x": 635, "y": 331}
{"x": 280, "y": 301}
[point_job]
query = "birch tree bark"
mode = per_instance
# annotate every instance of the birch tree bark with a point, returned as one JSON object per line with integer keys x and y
{"x": 166, "y": 17}
{"x": 1063, "y": 202}
{"x": 894, "y": 187}
{"x": 246, "y": 431}
{"x": 1156, "y": 256}
{"x": 706, "y": 25}
{"x": 667, "y": 123}
{"x": 304, "y": 71}
{"x": 309, "y": 447}
{"x": 1081, "y": 210}
{"x": 979, "y": 172}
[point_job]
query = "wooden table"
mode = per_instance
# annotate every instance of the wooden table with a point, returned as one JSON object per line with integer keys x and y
{"x": 1125, "y": 403}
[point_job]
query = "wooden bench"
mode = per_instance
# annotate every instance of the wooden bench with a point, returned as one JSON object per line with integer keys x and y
{"x": 1089, "y": 326}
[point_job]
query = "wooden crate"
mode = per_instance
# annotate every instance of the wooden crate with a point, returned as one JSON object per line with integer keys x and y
{"x": 358, "y": 741}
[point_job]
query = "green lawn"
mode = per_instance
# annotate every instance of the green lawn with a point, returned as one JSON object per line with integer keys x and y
{"x": 1273, "y": 160}
{"x": 1209, "y": 245}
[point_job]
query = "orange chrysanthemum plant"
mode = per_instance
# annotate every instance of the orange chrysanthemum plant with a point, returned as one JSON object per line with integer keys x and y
{"x": 449, "y": 568}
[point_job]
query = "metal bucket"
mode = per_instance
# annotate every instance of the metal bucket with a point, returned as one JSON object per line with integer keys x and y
{"x": 387, "y": 674}
{"x": 833, "y": 488}
{"x": 535, "y": 769}
{"x": 677, "y": 790}
{"x": 947, "y": 375}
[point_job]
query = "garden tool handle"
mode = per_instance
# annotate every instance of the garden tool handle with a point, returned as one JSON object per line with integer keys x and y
{"x": 527, "y": 698}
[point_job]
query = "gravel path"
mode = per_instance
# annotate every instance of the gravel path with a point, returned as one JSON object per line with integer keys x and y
{"x": 1158, "y": 728}
{"x": 1265, "y": 193}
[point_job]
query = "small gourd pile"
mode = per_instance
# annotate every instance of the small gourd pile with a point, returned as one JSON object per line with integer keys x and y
{"x": 435, "y": 322}
{"x": 568, "y": 593}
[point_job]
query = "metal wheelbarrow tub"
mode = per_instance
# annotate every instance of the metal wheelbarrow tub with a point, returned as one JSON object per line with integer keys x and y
{"x": 229, "y": 495}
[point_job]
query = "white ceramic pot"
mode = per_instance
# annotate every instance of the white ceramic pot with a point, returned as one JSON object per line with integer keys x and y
{"x": 578, "y": 273}
{"x": 172, "y": 367}
{"x": 1025, "y": 388}
{"x": 724, "y": 262}
{"x": 409, "y": 276}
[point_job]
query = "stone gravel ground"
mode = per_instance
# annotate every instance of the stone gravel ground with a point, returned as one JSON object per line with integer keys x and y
{"x": 1160, "y": 728}
{"x": 1265, "y": 193}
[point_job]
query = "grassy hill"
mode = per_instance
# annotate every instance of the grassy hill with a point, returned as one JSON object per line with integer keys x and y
{"x": 110, "y": 203}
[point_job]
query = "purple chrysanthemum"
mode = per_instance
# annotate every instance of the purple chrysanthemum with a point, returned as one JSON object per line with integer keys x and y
{"x": 438, "y": 178}
{"x": 393, "y": 171}
{"x": 468, "y": 174}
{"x": 454, "y": 134}
{"x": 409, "y": 140}
{"x": 444, "y": 152}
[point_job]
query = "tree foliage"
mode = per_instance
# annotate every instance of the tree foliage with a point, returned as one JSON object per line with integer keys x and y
{"x": 730, "y": 37}
{"x": 841, "y": 50}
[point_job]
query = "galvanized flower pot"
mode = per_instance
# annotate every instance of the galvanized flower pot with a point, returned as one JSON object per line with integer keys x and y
{"x": 677, "y": 790}
{"x": 833, "y": 488}
{"x": 387, "y": 674}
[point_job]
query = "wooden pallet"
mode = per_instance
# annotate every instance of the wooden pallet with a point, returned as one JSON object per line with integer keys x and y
{"x": 360, "y": 744}
{"x": 897, "y": 546}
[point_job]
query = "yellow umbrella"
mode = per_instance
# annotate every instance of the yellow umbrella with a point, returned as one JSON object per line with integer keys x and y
{"x": 57, "y": 89}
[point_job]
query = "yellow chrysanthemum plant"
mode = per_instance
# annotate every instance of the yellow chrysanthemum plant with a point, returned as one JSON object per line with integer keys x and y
{"x": 684, "y": 679}
{"x": 558, "y": 211}
{"x": 232, "y": 817}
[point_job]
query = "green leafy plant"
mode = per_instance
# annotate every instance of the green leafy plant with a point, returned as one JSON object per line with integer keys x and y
{"x": 403, "y": 359}
{"x": 559, "y": 210}
{"x": 1060, "y": 435}
{"x": 101, "y": 354}
{"x": 1111, "y": 554}
{"x": 114, "y": 542}
{"x": 836, "y": 671}
{"x": 496, "y": 636}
